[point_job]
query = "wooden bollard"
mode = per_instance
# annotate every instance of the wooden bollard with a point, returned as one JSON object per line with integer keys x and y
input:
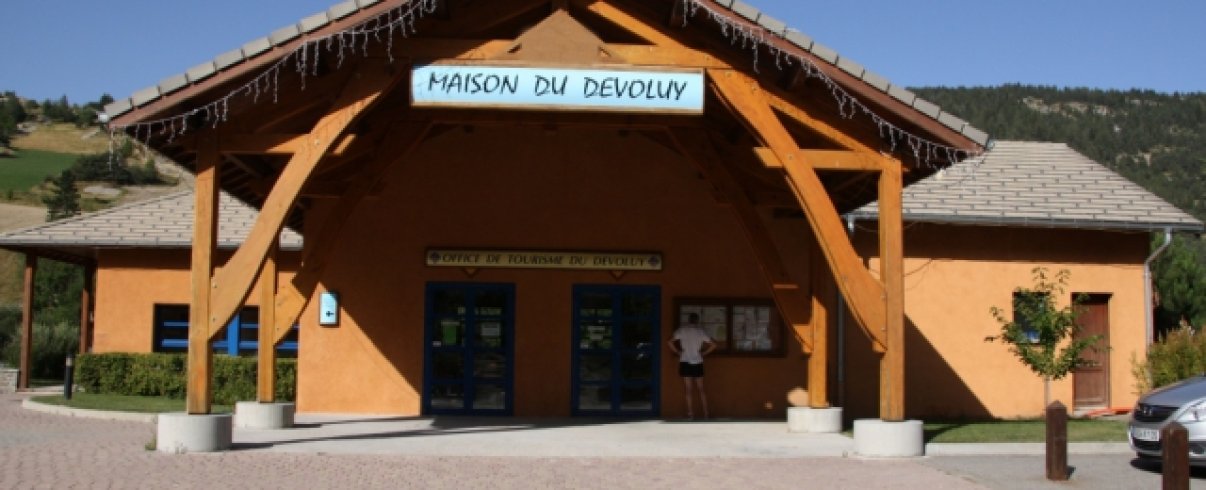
{"x": 1057, "y": 442}
{"x": 1175, "y": 456}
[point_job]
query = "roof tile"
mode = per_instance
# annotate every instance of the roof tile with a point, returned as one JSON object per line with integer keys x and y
{"x": 284, "y": 35}
{"x": 745, "y": 10}
{"x": 255, "y": 47}
{"x": 341, "y": 10}
{"x": 875, "y": 80}
{"x": 118, "y": 107}
{"x": 902, "y": 94}
{"x": 200, "y": 72}
{"x": 824, "y": 52}
{"x": 926, "y": 107}
{"x": 172, "y": 84}
{"x": 142, "y": 97}
{"x": 775, "y": 26}
{"x": 314, "y": 22}
{"x": 850, "y": 66}
{"x": 225, "y": 60}
{"x": 799, "y": 39}
{"x": 1037, "y": 184}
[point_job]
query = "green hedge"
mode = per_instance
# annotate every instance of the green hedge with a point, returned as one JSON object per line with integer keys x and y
{"x": 164, "y": 375}
{"x": 1181, "y": 354}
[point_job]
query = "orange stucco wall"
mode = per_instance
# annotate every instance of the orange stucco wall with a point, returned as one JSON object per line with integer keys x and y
{"x": 607, "y": 191}
{"x": 523, "y": 188}
{"x": 955, "y": 274}
{"x": 130, "y": 282}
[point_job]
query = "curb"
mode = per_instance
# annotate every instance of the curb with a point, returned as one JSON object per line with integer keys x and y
{"x": 148, "y": 418}
{"x": 1021, "y": 448}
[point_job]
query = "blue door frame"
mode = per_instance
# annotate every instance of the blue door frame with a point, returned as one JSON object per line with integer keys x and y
{"x": 468, "y": 360}
{"x": 616, "y": 350}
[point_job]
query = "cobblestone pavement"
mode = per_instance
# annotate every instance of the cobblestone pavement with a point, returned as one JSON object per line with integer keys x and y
{"x": 39, "y": 450}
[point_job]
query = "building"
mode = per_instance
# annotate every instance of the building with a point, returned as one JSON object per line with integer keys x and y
{"x": 509, "y": 206}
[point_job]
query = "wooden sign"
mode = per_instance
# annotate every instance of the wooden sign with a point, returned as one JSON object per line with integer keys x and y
{"x": 473, "y": 259}
{"x": 585, "y": 89}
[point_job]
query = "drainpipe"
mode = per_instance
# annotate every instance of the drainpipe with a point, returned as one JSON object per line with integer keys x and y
{"x": 1147, "y": 284}
{"x": 841, "y": 331}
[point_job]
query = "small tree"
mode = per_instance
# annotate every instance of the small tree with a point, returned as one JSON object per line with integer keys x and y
{"x": 65, "y": 201}
{"x": 1038, "y": 329}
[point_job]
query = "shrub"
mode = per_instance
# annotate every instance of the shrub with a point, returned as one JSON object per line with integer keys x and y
{"x": 51, "y": 344}
{"x": 165, "y": 375}
{"x": 1181, "y": 354}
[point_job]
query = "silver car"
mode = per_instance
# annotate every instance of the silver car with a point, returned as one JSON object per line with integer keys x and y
{"x": 1183, "y": 402}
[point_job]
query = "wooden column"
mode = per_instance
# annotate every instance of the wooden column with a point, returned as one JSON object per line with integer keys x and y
{"x": 86, "y": 309}
{"x": 891, "y": 273}
{"x": 266, "y": 372}
{"x": 818, "y": 359}
{"x": 293, "y": 295}
{"x": 27, "y": 316}
{"x": 205, "y": 238}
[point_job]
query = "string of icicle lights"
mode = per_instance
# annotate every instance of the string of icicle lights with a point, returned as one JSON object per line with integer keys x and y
{"x": 754, "y": 38}
{"x": 304, "y": 60}
{"x": 401, "y": 20}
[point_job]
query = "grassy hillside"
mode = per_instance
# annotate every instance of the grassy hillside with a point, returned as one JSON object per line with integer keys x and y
{"x": 28, "y": 168}
{"x": 64, "y": 138}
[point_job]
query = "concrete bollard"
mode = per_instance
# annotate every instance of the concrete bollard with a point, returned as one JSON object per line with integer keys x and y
{"x": 1057, "y": 442}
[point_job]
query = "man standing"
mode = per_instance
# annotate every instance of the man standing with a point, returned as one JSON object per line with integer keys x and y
{"x": 691, "y": 343}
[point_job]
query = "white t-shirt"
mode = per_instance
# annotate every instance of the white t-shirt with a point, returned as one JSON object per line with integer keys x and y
{"x": 691, "y": 338}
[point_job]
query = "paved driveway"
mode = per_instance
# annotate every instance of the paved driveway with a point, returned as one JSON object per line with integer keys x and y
{"x": 39, "y": 450}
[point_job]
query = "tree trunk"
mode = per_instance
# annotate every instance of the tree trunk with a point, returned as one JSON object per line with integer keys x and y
{"x": 1046, "y": 392}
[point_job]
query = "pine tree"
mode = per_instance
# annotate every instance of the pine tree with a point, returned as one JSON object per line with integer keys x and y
{"x": 64, "y": 202}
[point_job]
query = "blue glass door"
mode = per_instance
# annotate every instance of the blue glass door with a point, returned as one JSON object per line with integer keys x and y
{"x": 469, "y": 334}
{"x": 615, "y": 350}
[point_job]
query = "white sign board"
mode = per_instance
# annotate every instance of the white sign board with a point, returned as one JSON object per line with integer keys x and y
{"x": 328, "y": 309}
{"x": 585, "y": 89}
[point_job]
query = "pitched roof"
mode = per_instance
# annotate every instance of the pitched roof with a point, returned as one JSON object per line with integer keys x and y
{"x": 163, "y": 222}
{"x": 1021, "y": 183}
{"x": 312, "y": 27}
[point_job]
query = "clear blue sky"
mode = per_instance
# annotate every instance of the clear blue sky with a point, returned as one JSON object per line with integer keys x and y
{"x": 83, "y": 48}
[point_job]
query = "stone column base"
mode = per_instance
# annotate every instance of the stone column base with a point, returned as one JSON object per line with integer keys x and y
{"x": 256, "y": 415}
{"x": 881, "y": 439}
{"x": 814, "y": 420}
{"x": 180, "y": 433}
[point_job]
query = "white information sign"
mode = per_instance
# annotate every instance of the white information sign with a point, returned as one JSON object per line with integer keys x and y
{"x": 558, "y": 88}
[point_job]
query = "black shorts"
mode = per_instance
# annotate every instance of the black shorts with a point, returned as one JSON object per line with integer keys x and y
{"x": 688, "y": 370}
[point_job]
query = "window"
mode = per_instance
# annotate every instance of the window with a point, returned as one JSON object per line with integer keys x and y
{"x": 1025, "y": 306}
{"x": 739, "y": 326}
{"x": 241, "y": 337}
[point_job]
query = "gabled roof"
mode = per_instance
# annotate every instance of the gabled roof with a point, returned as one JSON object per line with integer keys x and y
{"x": 162, "y": 222}
{"x": 261, "y": 51}
{"x": 1020, "y": 183}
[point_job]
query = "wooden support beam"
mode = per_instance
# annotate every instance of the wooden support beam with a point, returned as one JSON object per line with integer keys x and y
{"x": 199, "y": 391}
{"x": 626, "y": 21}
{"x": 891, "y": 272}
{"x": 818, "y": 359}
{"x": 293, "y": 296}
{"x": 648, "y": 55}
{"x": 27, "y": 319}
{"x": 790, "y": 298}
{"x": 827, "y": 159}
{"x": 86, "y": 309}
{"x": 862, "y": 291}
{"x": 276, "y": 144}
{"x": 266, "y": 367}
{"x": 233, "y": 283}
